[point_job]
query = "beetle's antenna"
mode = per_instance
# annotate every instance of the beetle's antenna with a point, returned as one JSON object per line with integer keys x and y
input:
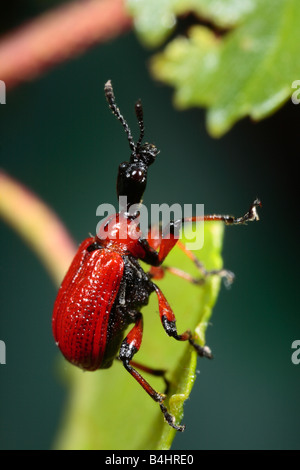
{"x": 109, "y": 94}
{"x": 140, "y": 117}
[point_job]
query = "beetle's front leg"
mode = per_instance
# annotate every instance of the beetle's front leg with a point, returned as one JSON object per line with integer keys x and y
{"x": 160, "y": 242}
{"x": 129, "y": 347}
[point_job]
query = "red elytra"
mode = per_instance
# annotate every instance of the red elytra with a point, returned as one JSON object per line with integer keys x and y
{"x": 105, "y": 286}
{"x": 83, "y": 306}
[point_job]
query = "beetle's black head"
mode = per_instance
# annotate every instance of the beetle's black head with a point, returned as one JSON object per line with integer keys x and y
{"x": 132, "y": 175}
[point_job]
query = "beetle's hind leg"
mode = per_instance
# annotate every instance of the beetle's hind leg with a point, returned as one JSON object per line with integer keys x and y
{"x": 129, "y": 347}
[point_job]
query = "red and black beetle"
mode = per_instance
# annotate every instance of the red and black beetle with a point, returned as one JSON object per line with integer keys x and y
{"x": 105, "y": 286}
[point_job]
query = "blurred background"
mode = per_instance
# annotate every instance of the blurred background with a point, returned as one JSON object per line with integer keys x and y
{"x": 59, "y": 139}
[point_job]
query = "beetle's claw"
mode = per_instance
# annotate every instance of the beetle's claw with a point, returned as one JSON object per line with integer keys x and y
{"x": 170, "y": 419}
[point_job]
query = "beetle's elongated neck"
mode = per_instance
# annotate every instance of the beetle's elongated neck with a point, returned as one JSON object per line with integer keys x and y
{"x": 132, "y": 175}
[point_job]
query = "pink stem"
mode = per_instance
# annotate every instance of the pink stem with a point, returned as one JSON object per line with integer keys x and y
{"x": 38, "y": 225}
{"x": 59, "y": 35}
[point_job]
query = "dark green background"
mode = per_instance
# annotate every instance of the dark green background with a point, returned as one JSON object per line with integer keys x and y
{"x": 58, "y": 137}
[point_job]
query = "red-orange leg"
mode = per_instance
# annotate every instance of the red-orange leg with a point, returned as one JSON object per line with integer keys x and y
{"x": 159, "y": 272}
{"x": 159, "y": 243}
{"x": 224, "y": 273}
{"x": 129, "y": 347}
{"x": 169, "y": 323}
{"x": 250, "y": 216}
{"x": 149, "y": 370}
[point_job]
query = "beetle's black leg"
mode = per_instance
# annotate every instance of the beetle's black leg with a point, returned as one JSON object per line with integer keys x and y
{"x": 129, "y": 348}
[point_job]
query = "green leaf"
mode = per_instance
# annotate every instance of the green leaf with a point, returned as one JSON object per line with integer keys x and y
{"x": 248, "y": 71}
{"x": 154, "y": 21}
{"x": 108, "y": 409}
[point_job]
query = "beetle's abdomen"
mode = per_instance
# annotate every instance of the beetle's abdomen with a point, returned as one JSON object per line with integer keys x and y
{"x": 83, "y": 305}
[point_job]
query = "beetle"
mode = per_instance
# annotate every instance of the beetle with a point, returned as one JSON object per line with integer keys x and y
{"x": 105, "y": 287}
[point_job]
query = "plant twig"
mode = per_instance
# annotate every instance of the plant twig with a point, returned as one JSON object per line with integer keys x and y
{"x": 59, "y": 35}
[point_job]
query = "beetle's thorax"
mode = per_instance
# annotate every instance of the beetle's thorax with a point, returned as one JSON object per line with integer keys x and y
{"x": 121, "y": 233}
